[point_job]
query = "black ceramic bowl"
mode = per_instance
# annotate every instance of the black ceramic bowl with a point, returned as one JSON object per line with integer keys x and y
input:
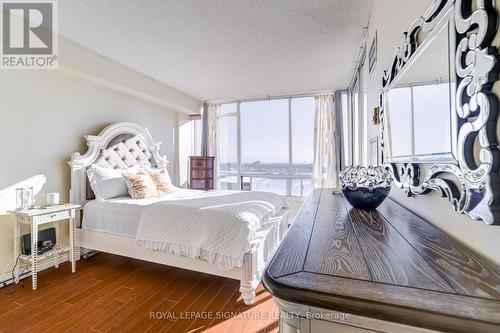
{"x": 363, "y": 198}
{"x": 365, "y": 187}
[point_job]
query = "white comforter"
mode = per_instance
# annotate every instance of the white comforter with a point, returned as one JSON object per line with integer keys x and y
{"x": 217, "y": 226}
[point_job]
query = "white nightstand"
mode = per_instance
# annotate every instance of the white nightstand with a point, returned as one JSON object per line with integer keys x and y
{"x": 35, "y": 218}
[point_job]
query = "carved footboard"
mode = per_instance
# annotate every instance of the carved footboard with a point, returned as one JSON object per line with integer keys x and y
{"x": 255, "y": 261}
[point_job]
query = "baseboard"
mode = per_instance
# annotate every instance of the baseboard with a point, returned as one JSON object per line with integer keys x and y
{"x": 6, "y": 279}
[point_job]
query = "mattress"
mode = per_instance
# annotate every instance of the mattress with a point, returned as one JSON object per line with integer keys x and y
{"x": 121, "y": 216}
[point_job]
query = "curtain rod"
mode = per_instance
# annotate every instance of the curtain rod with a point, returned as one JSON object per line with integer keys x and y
{"x": 308, "y": 94}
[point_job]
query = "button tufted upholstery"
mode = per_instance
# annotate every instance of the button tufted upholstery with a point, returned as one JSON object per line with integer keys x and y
{"x": 123, "y": 152}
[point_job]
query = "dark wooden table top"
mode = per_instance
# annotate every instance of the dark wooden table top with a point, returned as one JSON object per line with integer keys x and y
{"x": 387, "y": 264}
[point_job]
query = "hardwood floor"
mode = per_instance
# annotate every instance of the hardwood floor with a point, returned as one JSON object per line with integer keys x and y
{"x": 116, "y": 294}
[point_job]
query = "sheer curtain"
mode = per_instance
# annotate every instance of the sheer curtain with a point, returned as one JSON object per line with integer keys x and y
{"x": 209, "y": 144}
{"x": 325, "y": 146}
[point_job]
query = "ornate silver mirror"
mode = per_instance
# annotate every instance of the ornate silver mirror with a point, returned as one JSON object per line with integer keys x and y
{"x": 439, "y": 115}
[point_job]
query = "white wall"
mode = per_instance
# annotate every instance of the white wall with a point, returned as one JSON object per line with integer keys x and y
{"x": 185, "y": 146}
{"x": 80, "y": 61}
{"x": 390, "y": 18}
{"x": 45, "y": 113}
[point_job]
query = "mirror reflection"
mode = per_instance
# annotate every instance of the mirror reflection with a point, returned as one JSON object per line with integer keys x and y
{"x": 419, "y": 107}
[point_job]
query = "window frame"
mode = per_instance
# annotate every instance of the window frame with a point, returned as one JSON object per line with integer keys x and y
{"x": 290, "y": 176}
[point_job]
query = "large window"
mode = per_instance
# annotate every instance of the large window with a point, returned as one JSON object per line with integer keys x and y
{"x": 267, "y": 145}
{"x": 264, "y": 137}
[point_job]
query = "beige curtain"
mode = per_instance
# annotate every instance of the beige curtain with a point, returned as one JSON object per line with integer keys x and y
{"x": 212, "y": 112}
{"x": 325, "y": 164}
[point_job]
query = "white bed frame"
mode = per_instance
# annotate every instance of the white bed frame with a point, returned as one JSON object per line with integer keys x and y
{"x": 254, "y": 261}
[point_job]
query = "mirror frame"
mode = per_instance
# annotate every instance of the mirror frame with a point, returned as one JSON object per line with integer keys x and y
{"x": 472, "y": 185}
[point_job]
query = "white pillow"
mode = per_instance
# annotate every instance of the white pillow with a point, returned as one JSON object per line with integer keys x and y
{"x": 108, "y": 183}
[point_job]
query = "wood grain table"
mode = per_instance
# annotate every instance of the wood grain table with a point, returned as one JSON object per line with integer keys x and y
{"x": 388, "y": 265}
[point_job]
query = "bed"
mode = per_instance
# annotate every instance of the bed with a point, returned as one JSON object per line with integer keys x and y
{"x": 227, "y": 233}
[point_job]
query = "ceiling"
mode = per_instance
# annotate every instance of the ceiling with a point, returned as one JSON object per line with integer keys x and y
{"x": 225, "y": 49}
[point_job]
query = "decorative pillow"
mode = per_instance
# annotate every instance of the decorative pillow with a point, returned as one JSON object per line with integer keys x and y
{"x": 107, "y": 183}
{"x": 162, "y": 180}
{"x": 140, "y": 185}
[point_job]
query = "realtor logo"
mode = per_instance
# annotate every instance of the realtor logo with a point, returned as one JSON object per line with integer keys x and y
{"x": 29, "y": 35}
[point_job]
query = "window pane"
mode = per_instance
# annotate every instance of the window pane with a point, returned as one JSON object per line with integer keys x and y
{"x": 303, "y": 135}
{"x": 227, "y": 108}
{"x": 264, "y": 137}
{"x": 227, "y": 144}
{"x": 301, "y": 187}
{"x": 229, "y": 183}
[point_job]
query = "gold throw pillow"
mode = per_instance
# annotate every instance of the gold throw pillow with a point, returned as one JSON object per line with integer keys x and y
{"x": 162, "y": 180}
{"x": 140, "y": 185}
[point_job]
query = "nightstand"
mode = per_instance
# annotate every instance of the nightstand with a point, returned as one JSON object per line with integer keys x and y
{"x": 201, "y": 173}
{"x": 35, "y": 218}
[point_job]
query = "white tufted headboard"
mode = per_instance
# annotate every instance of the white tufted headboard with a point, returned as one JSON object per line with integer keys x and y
{"x": 118, "y": 146}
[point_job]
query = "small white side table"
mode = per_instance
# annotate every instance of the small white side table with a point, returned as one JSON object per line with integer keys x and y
{"x": 35, "y": 218}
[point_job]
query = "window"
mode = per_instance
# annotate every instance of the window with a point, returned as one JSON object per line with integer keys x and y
{"x": 303, "y": 135}
{"x": 227, "y": 153}
{"x": 264, "y": 137}
{"x": 276, "y": 145}
{"x": 228, "y": 146}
